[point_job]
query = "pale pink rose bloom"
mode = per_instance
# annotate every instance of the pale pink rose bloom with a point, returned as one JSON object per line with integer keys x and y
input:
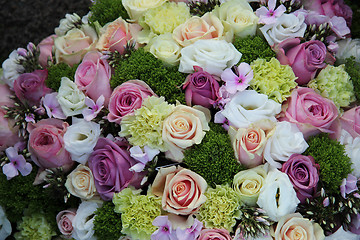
{"x": 218, "y": 234}
{"x": 182, "y": 190}
{"x": 64, "y": 222}
{"x": 45, "y": 47}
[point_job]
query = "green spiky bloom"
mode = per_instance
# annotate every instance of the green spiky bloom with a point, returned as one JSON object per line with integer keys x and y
{"x": 214, "y": 157}
{"x": 273, "y": 79}
{"x": 334, "y": 83}
{"x": 353, "y": 69}
{"x": 107, "y": 223}
{"x": 105, "y": 11}
{"x": 137, "y": 212}
{"x": 221, "y": 208}
{"x": 56, "y": 72}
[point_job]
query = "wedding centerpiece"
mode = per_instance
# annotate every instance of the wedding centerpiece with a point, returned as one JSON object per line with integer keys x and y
{"x": 184, "y": 120}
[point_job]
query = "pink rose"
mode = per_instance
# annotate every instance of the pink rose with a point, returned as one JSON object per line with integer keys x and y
{"x": 201, "y": 88}
{"x": 182, "y": 190}
{"x": 30, "y": 87}
{"x": 126, "y": 98}
{"x": 311, "y": 112}
{"x": 116, "y": 35}
{"x": 45, "y": 47}
{"x": 306, "y": 59}
{"x": 64, "y": 222}
{"x": 46, "y": 143}
{"x": 216, "y": 234}
{"x": 93, "y": 76}
{"x": 350, "y": 121}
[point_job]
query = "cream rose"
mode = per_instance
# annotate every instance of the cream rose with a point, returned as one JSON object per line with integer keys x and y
{"x": 239, "y": 15}
{"x": 165, "y": 48}
{"x": 184, "y": 127}
{"x": 80, "y": 183}
{"x": 208, "y": 26}
{"x": 213, "y": 56}
{"x": 182, "y": 190}
{"x": 294, "y": 226}
{"x": 136, "y": 8}
{"x": 248, "y": 183}
{"x": 72, "y": 47}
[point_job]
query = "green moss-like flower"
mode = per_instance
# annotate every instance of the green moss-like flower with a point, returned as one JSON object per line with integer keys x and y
{"x": 56, "y": 72}
{"x": 334, "y": 83}
{"x": 221, "y": 208}
{"x": 252, "y": 48}
{"x": 105, "y": 11}
{"x": 214, "y": 157}
{"x": 164, "y": 81}
{"x": 34, "y": 227}
{"x": 107, "y": 223}
{"x": 334, "y": 164}
{"x": 167, "y": 17}
{"x": 145, "y": 126}
{"x": 353, "y": 69}
{"x": 137, "y": 212}
{"x": 273, "y": 79}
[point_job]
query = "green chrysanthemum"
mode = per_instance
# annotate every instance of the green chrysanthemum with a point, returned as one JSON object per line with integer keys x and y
{"x": 145, "y": 126}
{"x": 273, "y": 79}
{"x": 221, "y": 208}
{"x": 34, "y": 227}
{"x": 334, "y": 83}
{"x": 137, "y": 212}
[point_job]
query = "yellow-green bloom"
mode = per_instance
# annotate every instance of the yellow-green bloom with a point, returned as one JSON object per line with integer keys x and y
{"x": 273, "y": 79}
{"x": 34, "y": 227}
{"x": 334, "y": 83}
{"x": 221, "y": 208}
{"x": 145, "y": 126}
{"x": 137, "y": 212}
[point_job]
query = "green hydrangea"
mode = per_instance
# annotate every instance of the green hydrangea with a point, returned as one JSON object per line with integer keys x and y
{"x": 56, "y": 72}
{"x": 137, "y": 212}
{"x": 105, "y": 11}
{"x": 145, "y": 126}
{"x": 334, "y": 83}
{"x": 273, "y": 79}
{"x": 221, "y": 208}
{"x": 34, "y": 227}
{"x": 107, "y": 223}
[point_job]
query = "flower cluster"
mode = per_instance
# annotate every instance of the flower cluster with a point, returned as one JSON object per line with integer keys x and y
{"x": 184, "y": 120}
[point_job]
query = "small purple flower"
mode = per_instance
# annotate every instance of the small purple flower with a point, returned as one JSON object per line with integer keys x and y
{"x": 165, "y": 231}
{"x": 143, "y": 157}
{"x": 17, "y": 162}
{"x": 348, "y": 185}
{"x": 30, "y": 118}
{"x": 237, "y": 78}
{"x": 94, "y": 108}
{"x": 190, "y": 233}
{"x": 269, "y": 15}
{"x": 52, "y": 106}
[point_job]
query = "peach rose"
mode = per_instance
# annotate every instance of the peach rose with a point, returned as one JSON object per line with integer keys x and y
{"x": 208, "y": 26}
{"x": 184, "y": 127}
{"x": 294, "y": 226}
{"x": 182, "y": 190}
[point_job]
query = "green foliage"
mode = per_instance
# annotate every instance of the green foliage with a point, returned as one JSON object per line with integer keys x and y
{"x": 353, "y": 69}
{"x": 253, "y": 48}
{"x": 214, "y": 157}
{"x": 164, "y": 81}
{"x": 355, "y": 26}
{"x": 107, "y": 224}
{"x": 56, "y": 72}
{"x": 334, "y": 164}
{"x": 105, "y": 11}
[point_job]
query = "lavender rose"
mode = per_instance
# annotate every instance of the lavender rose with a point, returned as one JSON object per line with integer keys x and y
{"x": 201, "y": 88}
{"x": 303, "y": 174}
{"x": 110, "y": 163}
{"x": 64, "y": 222}
{"x": 218, "y": 234}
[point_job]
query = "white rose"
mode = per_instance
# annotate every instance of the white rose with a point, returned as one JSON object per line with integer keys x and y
{"x": 136, "y": 8}
{"x": 165, "y": 48}
{"x": 82, "y": 223}
{"x": 70, "y": 98}
{"x": 80, "y": 183}
{"x": 211, "y": 55}
{"x": 277, "y": 196}
{"x": 12, "y": 69}
{"x": 240, "y": 16}
{"x": 352, "y": 149}
{"x": 248, "y": 107}
{"x": 80, "y": 139}
{"x": 286, "y": 26}
{"x": 5, "y": 225}
{"x": 347, "y": 48}
{"x": 284, "y": 141}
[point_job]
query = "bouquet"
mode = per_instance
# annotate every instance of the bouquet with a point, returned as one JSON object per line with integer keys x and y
{"x": 184, "y": 120}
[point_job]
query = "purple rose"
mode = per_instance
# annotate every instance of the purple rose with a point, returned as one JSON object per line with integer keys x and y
{"x": 110, "y": 163}
{"x": 305, "y": 59}
{"x": 303, "y": 173}
{"x": 30, "y": 87}
{"x": 355, "y": 224}
{"x": 201, "y": 88}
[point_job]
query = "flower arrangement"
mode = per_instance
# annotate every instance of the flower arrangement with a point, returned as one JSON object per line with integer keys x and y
{"x": 184, "y": 120}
